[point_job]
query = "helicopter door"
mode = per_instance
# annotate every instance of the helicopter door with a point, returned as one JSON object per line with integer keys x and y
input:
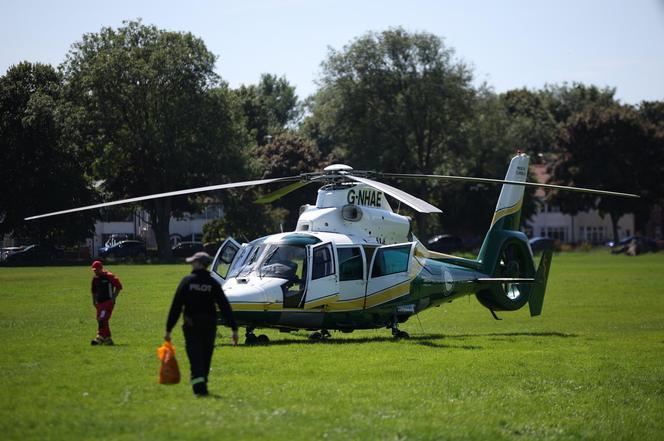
{"x": 224, "y": 258}
{"x": 389, "y": 273}
{"x": 322, "y": 279}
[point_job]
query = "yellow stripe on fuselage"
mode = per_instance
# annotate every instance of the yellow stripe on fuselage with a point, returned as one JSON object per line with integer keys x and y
{"x": 322, "y": 301}
{"x": 506, "y": 212}
{"x": 388, "y": 294}
{"x": 359, "y": 303}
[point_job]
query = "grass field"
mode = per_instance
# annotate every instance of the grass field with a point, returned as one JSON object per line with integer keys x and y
{"x": 592, "y": 367}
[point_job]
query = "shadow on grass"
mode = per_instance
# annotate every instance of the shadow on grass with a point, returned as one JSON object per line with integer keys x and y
{"x": 428, "y": 340}
{"x": 517, "y": 334}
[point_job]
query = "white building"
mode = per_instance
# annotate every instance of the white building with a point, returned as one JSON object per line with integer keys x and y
{"x": 137, "y": 226}
{"x": 586, "y": 226}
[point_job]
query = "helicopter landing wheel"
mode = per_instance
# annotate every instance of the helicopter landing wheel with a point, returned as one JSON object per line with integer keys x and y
{"x": 400, "y": 334}
{"x": 249, "y": 337}
{"x": 321, "y": 335}
{"x": 262, "y": 339}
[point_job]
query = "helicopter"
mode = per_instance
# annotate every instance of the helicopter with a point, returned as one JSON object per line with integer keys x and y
{"x": 353, "y": 263}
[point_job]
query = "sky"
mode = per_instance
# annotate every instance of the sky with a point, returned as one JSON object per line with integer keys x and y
{"x": 509, "y": 43}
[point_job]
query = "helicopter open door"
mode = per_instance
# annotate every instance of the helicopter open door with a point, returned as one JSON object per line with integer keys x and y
{"x": 322, "y": 285}
{"x": 388, "y": 275}
{"x": 224, "y": 258}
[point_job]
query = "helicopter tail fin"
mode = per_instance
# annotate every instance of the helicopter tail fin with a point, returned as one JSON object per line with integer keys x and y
{"x": 508, "y": 209}
{"x": 506, "y": 218}
{"x": 536, "y": 299}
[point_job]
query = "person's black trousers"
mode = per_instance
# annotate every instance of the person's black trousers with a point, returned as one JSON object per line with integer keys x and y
{"x": 199, "y": 341}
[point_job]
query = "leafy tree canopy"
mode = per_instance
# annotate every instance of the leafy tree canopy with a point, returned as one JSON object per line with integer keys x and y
{"x": 269, "y": 107}
{"x": 607, "y": 147}
{"x": 147, "y": 106}
{"x": 38, "y": 173}
{"x": 393, "y": 101}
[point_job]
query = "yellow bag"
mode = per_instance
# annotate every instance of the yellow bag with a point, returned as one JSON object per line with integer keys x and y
{"x": 169, "y": 372}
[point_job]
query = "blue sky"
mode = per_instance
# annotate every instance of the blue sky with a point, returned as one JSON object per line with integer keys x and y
{"x": 510, "y": 43}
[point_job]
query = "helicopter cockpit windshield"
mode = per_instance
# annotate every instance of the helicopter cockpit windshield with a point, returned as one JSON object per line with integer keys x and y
{"x": 279, "y": 260}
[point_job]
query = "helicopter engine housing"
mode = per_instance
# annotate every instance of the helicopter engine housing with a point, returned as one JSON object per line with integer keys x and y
{"x": 355, "y": 210}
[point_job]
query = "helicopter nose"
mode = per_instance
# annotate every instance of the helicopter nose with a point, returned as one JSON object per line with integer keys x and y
{"x": 254, "y": 291}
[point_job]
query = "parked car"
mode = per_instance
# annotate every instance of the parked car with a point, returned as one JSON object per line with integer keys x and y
{"x": 126, "y": 248}
{"x": 4, "y": 252}
{"x": 445, "y": 243}
{"x": 186, "y": 249}
{"x": 643, "y": 245}
{"x": 34, "y": 254}
{"x": 538, "y": 244}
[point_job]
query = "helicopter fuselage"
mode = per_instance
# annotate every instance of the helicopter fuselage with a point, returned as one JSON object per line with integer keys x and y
{"x": 352, "y": 263}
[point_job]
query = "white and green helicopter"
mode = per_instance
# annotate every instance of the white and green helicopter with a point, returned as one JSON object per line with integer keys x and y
{"x": 353, "y": 263}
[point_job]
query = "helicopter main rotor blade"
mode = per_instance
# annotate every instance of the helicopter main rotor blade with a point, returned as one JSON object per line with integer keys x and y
{"x": 502, "y": 181}
{"x": 167, "y": 194}
{"x": 410, "y": 200}
{"x": 283, "y": 191}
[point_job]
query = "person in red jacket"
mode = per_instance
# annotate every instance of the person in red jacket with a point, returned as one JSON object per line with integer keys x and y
{"x": 105, "y": 289}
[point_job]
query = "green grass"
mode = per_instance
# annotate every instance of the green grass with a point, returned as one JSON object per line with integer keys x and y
{"x": 592, "y": 367}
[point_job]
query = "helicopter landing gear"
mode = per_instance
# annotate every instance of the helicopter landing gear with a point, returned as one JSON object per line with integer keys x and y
{"x": 321, "y": 335}
{"x": 398, "y": 333}
{"x": 252, "y": 339}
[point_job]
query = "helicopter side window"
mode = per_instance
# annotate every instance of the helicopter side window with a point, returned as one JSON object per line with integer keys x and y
{"x": 391, "y": 260}
{"x": 350, "y": 264}
{"x": 323, "y": 263}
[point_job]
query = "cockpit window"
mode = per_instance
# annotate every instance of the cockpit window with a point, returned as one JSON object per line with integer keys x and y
{"x": 283, "y": 261}
{"x": 248, "y": 255}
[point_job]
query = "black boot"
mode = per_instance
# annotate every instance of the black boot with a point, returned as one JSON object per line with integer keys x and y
{"x": 200, "y": 389}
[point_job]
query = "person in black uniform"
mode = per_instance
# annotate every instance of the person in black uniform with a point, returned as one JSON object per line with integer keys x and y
{"x": 197, "y": 294}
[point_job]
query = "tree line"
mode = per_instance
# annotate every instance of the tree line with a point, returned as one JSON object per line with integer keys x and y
{"x": 136, "y": 110}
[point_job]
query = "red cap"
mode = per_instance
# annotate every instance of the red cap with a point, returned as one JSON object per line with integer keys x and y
{"x": 97, "y": 264}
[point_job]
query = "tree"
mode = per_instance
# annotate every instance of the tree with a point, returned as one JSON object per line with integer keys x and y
{"x": 532, "y": 126}
{"x": 393, "y": 101}
{"x": 491, "y": 143}
{"x": 607, "y": 148}
{"x": 243, "y": 219}
{"x": 653, "y": 113}
{"x": 38, "y": 172}
{"x": 147, "y": 106}
{"x": 290, "y": 155}
{"x": 269, "y": 107}
{"x": 565, "y": 100}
